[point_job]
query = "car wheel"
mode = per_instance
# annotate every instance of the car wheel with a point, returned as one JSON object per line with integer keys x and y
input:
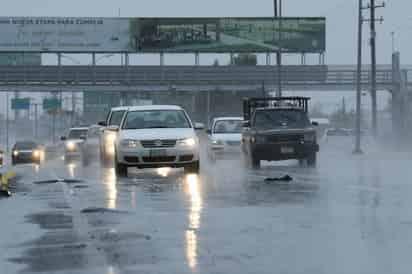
{"x": 120, "y": 169}
{"x": 311, "y": 160}
{"x": 192, "y": 168}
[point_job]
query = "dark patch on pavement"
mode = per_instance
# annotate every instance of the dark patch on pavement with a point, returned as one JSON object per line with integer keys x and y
{"x": 102, "y": 210}
{"x": 52, "y": 258}
{"x": 285, "y": 178}
{"x": 55, "y": 181}
{"x": 59, "y": 205}
{"x": 51, "y": 220}
{"x": 80, "y": 186}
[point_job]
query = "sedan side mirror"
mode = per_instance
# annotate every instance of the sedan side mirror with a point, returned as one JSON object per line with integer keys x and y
{"x": 102, "y": 123}
{"x": 315, "y": 124}
{"x": 209, "y": 131}
{"x": 63, "y": 138}
{"x": 199, "y": 126}
{"x": 113, "y": 128}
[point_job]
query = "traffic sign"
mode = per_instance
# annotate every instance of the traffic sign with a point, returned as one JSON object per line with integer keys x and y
{"x": 51, "y": 104}
{"x": 20, "y": 103}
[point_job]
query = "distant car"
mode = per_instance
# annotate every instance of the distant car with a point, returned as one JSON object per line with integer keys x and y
{"x": 108, "y": 137}
{"x": 156, "y": 136}
{"x": 90, "y": 147}
{"x": 73, "y": 142}
{"x": 224, "y": 137}
{"x": 27, "y": 152}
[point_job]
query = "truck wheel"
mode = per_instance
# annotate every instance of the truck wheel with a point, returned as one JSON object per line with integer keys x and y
{"x": 311, "y": 160}
{"x": 255, "y": 162}
{"x": 120, "y": 169}
{"x": 193, "y": 168}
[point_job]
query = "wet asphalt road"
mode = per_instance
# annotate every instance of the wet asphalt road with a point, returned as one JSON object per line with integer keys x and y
{"x": 348, "y": 215}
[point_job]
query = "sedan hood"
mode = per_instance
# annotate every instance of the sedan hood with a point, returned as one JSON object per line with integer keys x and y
{"x": 227, "y": 137}
{"x": 157, "y": 134}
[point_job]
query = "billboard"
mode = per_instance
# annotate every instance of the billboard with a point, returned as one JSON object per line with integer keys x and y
{"x": 169, "y": 35}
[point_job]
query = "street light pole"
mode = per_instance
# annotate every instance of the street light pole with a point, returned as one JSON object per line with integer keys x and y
{"x": 278, "y": 15}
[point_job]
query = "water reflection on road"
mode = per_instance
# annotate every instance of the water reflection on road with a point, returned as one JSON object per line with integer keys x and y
{"x": 192, "y": 188}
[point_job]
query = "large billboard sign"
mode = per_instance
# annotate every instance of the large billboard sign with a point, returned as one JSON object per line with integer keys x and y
{"x": 169, "y": 35}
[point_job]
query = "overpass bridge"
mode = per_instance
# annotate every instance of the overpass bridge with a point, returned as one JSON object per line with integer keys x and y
{"x": 190, "y": 78}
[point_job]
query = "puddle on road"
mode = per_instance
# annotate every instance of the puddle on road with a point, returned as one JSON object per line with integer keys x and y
{"x": 51, "y": 220}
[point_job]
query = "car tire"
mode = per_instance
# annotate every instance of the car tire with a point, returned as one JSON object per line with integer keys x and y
{"x": 193, "y": 168}
{"x": 311, "y": 160}
{"x": 120, "y": 169}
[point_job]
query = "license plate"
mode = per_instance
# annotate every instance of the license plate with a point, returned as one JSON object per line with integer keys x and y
{"x": 287, "y": 150}
{"x": 158, "y": 152}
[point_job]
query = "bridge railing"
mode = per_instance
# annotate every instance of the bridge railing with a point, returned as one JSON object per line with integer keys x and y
{"x": 133, "y": 75}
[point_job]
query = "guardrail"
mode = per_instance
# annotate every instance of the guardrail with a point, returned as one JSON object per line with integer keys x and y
{"x": 70, "y": 76}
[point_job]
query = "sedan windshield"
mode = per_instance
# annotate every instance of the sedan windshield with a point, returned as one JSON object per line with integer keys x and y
{"x": 77, "y": 133}
{"x": 156, "y": 119}
{"x": 26, "y": 145}
{"x": 273, "y": 119}
{"x": 228, "y": 126}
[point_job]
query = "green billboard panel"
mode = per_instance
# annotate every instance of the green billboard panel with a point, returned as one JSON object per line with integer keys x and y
{"x": 220, "y": 35}
{"x": 51, "y": 104}
{"x": 20, "y": 103}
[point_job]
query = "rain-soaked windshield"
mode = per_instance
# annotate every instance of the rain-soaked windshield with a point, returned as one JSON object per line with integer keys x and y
{"x": 273, "y": 119}
{"x": 228, "y": 126}
{"x": 156, "y": 119}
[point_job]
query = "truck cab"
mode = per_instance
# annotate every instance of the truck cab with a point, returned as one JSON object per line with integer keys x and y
{"x": 278, "y": 129}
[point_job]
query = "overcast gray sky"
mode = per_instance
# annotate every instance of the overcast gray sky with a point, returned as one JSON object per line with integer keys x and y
{"x": 340, "y": 14}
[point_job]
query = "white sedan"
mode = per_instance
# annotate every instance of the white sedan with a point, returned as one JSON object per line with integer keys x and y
{"x": 156, "y": 136}
{"x": 224, "y": 137}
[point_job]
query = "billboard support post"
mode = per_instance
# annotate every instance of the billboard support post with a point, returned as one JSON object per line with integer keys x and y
{"x": 197, "y": 58}
{"x": 162, "y": 59}
{"x": 268, "y": 59}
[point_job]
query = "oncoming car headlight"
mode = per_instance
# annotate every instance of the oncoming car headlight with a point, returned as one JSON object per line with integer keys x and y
{"x": 188, "y": 142}
{"x": 309, "y": 137}
{"x": 15, "y": 153}
{"x": 111, "y": 138}
{"x": 70, "y": 146}
{"x": 217, "y": 143}
{"x": 129, "y": 143}
{"x": 36, "y": 153}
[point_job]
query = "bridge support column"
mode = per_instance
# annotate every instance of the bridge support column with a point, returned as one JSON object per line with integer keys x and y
{"x": 197, "y": 59}
{"x": 126, "y": 58}
{"x": 268, "y": 59}
{"x": 93, "y": 59}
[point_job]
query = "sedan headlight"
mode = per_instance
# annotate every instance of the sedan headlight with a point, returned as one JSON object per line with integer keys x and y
{"x": 70, "y": 146}
{"x": 129, "y": 143}
{"x": 36, "y": 153}
{"x": 188, "y": 142}
{"x": 15, "y": 153}
{"x": 217, "y": 143}
{"x": 309, "y": 138}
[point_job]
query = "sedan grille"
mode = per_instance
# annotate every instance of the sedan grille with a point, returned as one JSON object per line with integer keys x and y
{"x": 158, "y": 143}
{"x": 284, "y": 138}
{"x": 233, "y": 143}
{"x": 162, "y": 159}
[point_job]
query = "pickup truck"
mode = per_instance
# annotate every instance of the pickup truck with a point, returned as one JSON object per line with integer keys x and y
{"x": 278, "y": 129}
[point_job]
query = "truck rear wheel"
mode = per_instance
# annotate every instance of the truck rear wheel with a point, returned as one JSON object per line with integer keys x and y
{"x": 311, "y": 160}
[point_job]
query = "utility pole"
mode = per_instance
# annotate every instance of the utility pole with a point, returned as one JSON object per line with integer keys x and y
{"x": 278, "y": 15}
{"x": 36, "y": 126}
{"x": 373, "y": 20}
{"x": 358, "y": 149}
{"x": 7, "y": 122}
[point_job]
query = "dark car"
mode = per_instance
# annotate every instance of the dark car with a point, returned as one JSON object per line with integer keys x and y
{"x": 278, "y": 129}
{"x": 26, "y": 152}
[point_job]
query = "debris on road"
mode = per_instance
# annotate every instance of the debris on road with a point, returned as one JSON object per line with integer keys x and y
{"x": 102, "y": 210}
{"x": 285, "y": 178}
